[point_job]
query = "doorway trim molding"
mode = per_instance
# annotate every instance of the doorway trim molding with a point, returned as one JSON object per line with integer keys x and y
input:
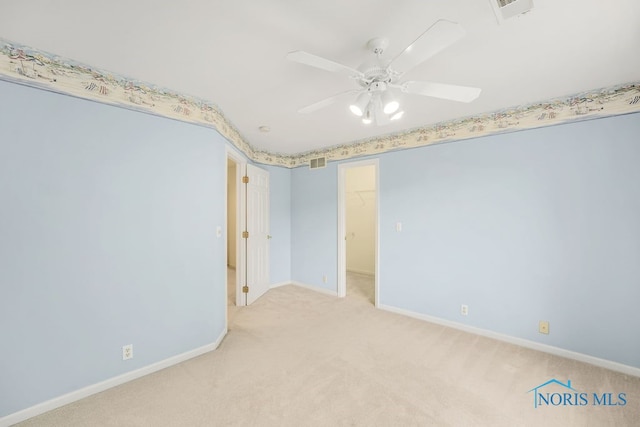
{"x": 241, "y": 163}
{"x": 342, "y": 226}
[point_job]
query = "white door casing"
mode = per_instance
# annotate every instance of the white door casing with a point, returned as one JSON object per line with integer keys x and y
{"x": 240, "y": 208}
{"x": 257, "y": 225}
{"x": 342, "y": 227}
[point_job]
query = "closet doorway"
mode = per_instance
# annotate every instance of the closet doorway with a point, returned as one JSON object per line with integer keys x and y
{"x": 358, "y": 230}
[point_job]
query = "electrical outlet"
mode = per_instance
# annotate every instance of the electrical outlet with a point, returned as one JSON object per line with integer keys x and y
{"x": 127, "y": 352}
{"x": 464, "y": 309}
{"x": 543, "y": 327}
{"x": 324, "y": 278}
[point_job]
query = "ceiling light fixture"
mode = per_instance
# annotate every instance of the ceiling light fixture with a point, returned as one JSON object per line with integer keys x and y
{"x": 397, "y": 115}
{"x": 376, "y": 104}
{"x": 367, "y": 117}
{"x": 358, "y": 107}
{"x": 389, "y": 105}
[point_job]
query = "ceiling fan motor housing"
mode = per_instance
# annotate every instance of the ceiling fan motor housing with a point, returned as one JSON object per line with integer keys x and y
{"x": 377, "y": 86}
{"x": 373, "y": 70}
{"x": 376, "y": 73}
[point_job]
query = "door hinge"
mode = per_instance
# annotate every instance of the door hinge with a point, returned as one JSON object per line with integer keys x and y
{"x": 245, "y": 234}
{"x": 245, "y": 289}
{"x": 245, "y": 179}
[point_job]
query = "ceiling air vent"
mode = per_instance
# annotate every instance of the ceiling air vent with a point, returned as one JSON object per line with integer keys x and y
{"x": 505, "y": 9}
{"x": 317, "y": 163}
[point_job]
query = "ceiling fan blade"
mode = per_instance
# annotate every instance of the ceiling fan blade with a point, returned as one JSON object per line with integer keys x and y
{"x": 319, "y": 62}
{"x": 324, "y": 103}
{"x": 439, "y": 36}
{"x": 442, "y": 90}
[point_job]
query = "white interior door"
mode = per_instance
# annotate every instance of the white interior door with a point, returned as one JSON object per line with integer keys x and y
{"x": 257, "y": 222}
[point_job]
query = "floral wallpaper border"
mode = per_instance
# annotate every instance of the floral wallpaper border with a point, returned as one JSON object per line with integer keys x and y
{"x": 28, "y": 66}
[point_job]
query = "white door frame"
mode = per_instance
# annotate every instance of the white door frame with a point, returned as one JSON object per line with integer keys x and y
{"x": 257, "y": 224}
{"x": 240, "y": 210}
{"x": 342, "y": 225}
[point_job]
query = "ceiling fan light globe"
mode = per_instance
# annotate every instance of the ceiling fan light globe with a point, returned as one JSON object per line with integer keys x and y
{"x": 397, "y": 115}
{"x": 358, "y": 107}
{"x": 356, "y": 110}
{"x": 391, "y": 107}
{"x": 367, "y": 118}
{"x": 389, "y": 104}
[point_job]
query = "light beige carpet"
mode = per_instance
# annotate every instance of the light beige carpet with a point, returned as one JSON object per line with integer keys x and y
{"x": 300, "y": 358}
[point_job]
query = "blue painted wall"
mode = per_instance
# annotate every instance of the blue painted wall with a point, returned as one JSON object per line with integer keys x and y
{"x": 314, "y": 226}
{"x": 280, "y": 224}
{"x": 107, "y": 238}
{"x": 527, "y": 226}
{"x": 522, "y": 227}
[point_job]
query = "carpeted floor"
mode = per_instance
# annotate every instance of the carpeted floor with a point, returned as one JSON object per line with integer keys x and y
{"x": 300, "y": 358}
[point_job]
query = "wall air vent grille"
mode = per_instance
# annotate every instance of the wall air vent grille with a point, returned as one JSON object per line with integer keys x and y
{"x": 318, "y": 163}
{"x": 505, "y": 9}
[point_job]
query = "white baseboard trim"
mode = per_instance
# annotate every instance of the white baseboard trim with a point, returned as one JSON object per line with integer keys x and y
{"x": 557, "y": 351}
{"x": 333, "y": 293}
{"x": 277, "y": 285}
{"x": 65, "y": 399}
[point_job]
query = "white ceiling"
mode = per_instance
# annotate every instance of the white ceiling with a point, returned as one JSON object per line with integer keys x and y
{"x": 233, "y": 54}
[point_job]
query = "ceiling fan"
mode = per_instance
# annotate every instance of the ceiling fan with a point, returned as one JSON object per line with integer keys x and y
{"x": 378, "y": 79}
